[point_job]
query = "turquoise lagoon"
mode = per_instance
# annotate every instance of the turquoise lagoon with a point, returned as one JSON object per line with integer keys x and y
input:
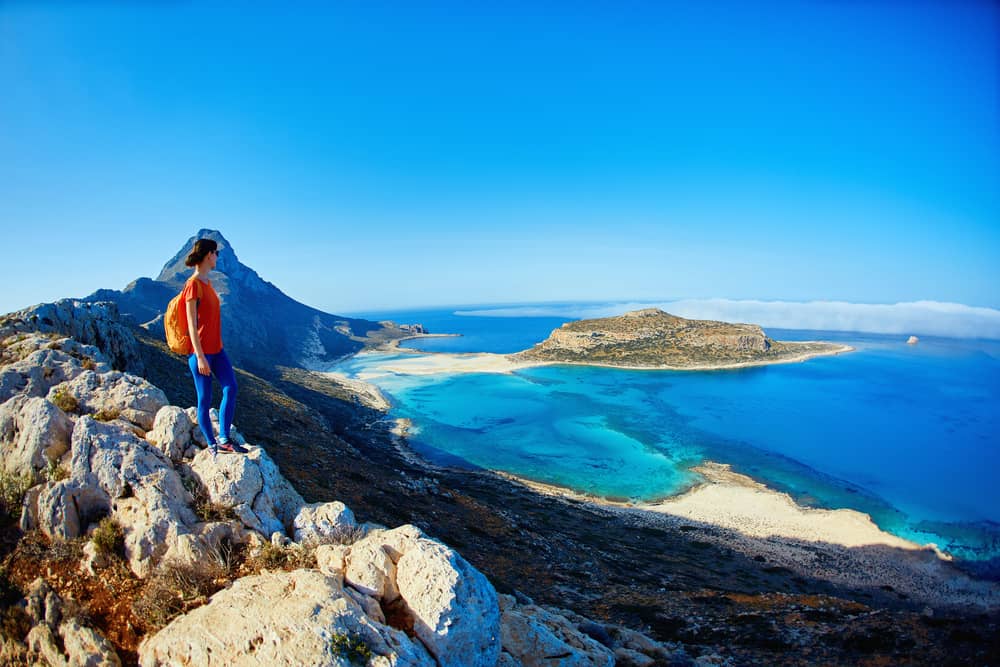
{"x": 907, "y": 434}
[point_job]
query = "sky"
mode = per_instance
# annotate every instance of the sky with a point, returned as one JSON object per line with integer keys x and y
{"x": 372, "y": 155}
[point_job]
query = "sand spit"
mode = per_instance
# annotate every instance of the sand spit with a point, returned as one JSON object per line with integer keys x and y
{"x": 842, "y": 546}
{"x": 446, "y": 363}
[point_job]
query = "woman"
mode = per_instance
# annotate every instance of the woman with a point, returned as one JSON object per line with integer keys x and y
{"x": 208, "y": 357}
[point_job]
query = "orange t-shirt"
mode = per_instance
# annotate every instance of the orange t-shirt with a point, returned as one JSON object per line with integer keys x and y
{"x": 209, "y": 314}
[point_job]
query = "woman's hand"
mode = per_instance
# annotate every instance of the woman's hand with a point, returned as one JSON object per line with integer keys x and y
{"x": 203, "y": 366}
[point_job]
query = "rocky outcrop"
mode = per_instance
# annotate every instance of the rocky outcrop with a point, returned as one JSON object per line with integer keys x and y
{"x": 324, "y": 522}
{"x": 287, "y": 618}
{"x": 41, "y": 362}
{"x": 87, "y": 322}
{"x": 450, "y": 605}
{"x": 113, "y": 395}
{"x": 33, "y": 432}
{"x": 536, "y": 637}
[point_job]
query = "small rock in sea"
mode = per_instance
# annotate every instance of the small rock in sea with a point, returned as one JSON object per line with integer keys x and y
{"x": 912, "y": 340}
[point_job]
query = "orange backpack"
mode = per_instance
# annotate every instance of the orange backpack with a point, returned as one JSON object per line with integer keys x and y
{"x": 175, "y": 324}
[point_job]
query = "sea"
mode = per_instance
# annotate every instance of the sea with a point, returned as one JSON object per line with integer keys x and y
{"x": 908, "y": 434}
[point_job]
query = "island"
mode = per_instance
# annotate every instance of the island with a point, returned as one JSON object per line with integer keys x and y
{"x": 652, "y": 338}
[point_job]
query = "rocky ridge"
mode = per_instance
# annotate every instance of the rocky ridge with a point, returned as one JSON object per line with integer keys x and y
{"x": 656, "y": 339}
{"x": 97, "y": 443}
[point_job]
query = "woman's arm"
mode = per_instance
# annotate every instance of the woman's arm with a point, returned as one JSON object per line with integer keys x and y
{"x": 192, "y": 315}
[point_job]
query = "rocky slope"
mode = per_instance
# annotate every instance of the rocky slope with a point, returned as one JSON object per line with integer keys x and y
{"x": 267, "y": 328}
{"x": 101, "y": 452}
{"x": 653, "y": 338}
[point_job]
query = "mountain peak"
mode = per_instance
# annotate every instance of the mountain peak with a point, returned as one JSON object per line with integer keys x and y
{"x": 174, "y": 271}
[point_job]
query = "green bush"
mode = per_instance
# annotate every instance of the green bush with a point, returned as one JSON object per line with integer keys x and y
{"x": 351, "y": 647}
{"x": 109, "y": 538}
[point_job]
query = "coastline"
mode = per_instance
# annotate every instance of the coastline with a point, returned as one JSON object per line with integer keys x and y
{"x": 842, "y": 546}
{"x": 734, "y": 511}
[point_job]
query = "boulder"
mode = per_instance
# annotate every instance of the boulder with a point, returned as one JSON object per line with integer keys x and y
{"x": 171, "y": 432}
{"x": 32, "y": 432}
{"x": 284, "y": 618}
{"x": 535, "y": 636}
{"x": 62, "y": 510}
{"x": 323, "y": 522}
{"x": 128, "y": 396}
{"x": 452, "y": 607}
{"x": 147, "y": 495}
{"x": 252, "y": 486}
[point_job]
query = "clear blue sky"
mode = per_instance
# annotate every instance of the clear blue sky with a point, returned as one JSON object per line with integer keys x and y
{"x": 364, "y": 154}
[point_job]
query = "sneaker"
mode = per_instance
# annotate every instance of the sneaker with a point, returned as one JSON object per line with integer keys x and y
{"x": 232, "y": 447}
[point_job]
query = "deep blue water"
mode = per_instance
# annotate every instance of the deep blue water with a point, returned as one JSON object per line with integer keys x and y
{"x": 908, "y": 434}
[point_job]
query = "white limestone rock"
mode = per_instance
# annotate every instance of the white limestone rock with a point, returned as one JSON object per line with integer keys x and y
{"x": 535, "y": 636}
{"x": 323, "y": 522}
{"x": 146, "y": 494}
{"x": 32, "y": 431}
{"x": 252, "y": 485}
{"x": 330, "y": 559}
{"x": 62, "y": 509}
{"x": 87, "y": 322}
{"x": 452, "y": 606}
{"x": 171, "y": 432}
{"x": 370, "y": 569}
{"x": 38, "y": 371}
{"x": 129, "y": 396}
{"x": 284, "y": 618}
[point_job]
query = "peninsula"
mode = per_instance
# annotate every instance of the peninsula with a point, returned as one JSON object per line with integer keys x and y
{"x": 652, "y": 338}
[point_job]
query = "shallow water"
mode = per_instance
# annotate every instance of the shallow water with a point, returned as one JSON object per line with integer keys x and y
{"x": 907, "y": 434}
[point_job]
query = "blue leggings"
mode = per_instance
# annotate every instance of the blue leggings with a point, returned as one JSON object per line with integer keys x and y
{"x": 223, "y": 371}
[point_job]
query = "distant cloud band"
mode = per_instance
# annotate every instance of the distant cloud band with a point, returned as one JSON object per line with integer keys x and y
{"x": 930, "y": 318}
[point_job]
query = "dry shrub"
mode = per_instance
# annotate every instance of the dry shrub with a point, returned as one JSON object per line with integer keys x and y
{"x": 176, "y": 588}
{"x": 12, "y": 490}
{"x": 55, "y": 472}
{"x": 109, "y": 538}
{"x": 273, "y": 557}
{"x": 106, "y": 415}
{"x": 202, "y": 505}
{"x": 65, "y": 401}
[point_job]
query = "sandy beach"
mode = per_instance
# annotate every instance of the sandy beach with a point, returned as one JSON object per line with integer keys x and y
{"x": 841, "y": 545}
{"x": 433, "y": 363}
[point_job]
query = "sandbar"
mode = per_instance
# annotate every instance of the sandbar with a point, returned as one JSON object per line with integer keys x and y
{"x": 434, "y": 363}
